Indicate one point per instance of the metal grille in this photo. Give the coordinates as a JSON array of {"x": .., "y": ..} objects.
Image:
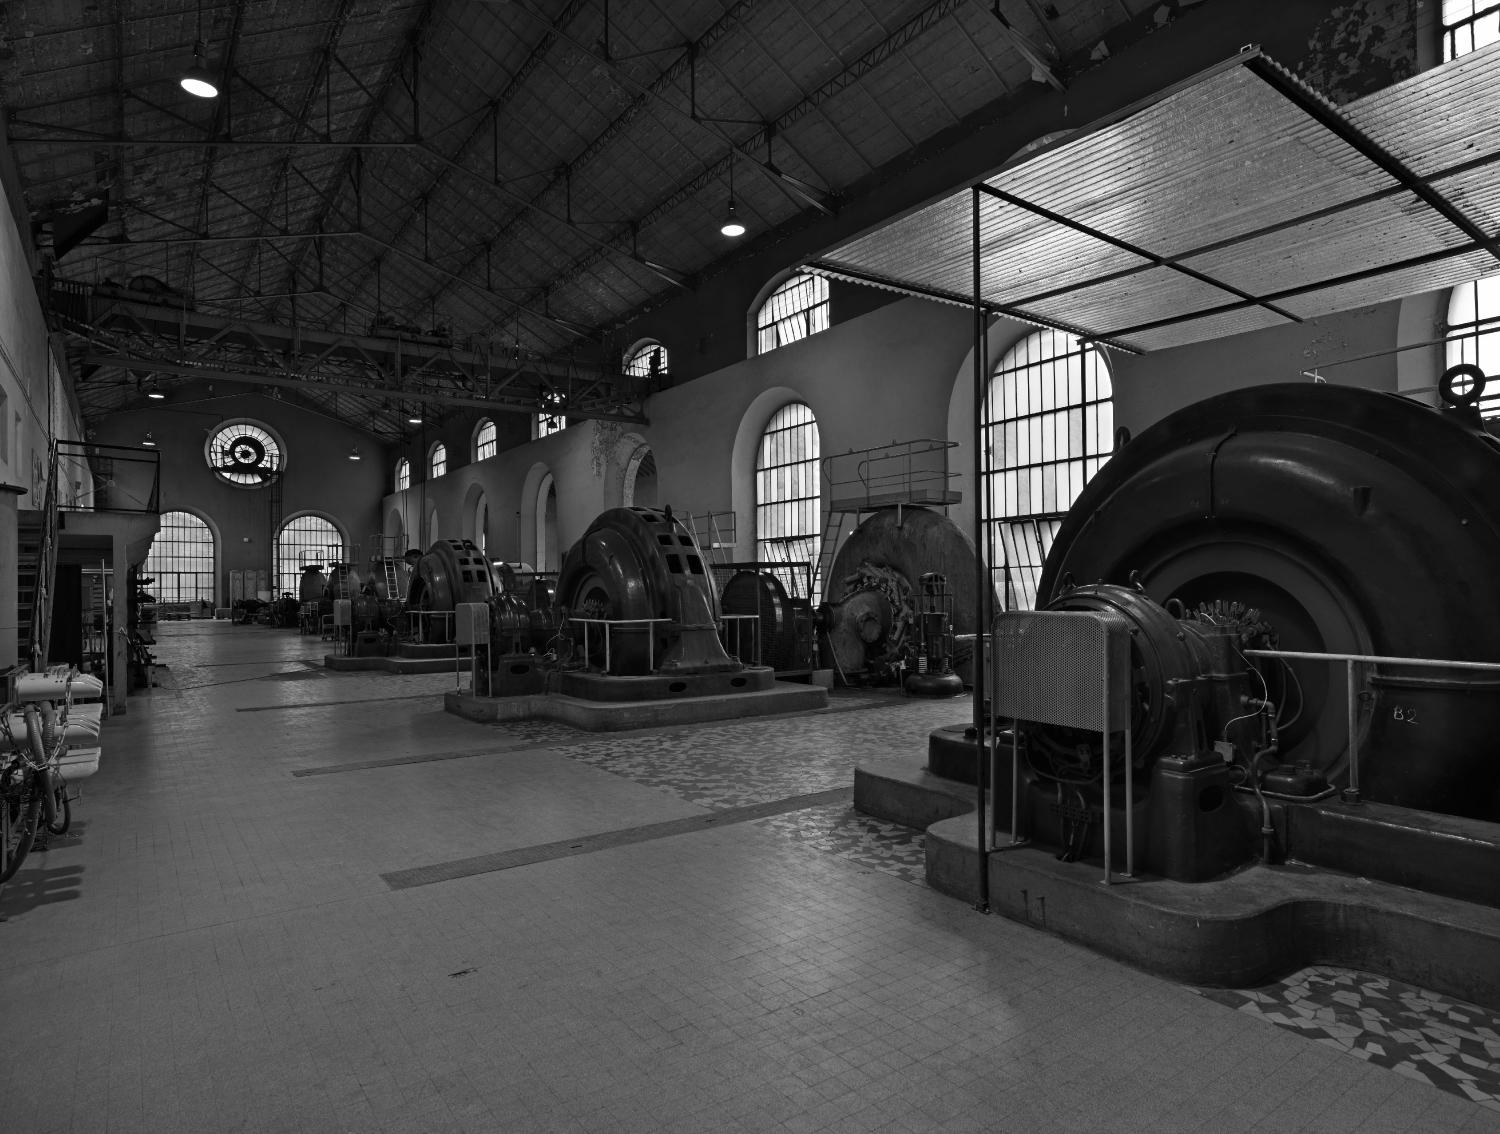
[{"x": 1057, "y": 667}]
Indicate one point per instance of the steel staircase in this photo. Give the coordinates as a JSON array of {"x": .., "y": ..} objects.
[{"x": 36, "y": 574}]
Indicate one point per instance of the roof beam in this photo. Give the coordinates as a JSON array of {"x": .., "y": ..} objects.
[
  {"x": 337, "y": 24},
  {"x": 489, "y": 121},
  {"x": 321, "y": 383},
  {"x": 215, "y": 128},
  {"x": 362, "y": 133},
  {"x": 914, "y": 28}
]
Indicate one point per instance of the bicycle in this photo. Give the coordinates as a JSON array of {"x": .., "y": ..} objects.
[{"x": 33, "y": 790}]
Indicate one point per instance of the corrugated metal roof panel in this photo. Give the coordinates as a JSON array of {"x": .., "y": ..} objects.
[{"x": 1242, "y": 176}]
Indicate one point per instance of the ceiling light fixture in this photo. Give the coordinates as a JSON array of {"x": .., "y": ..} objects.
[
  {"x": 149, "y": 441},
  {"x": 153, "y": 391},
  {"x": 198, "y": 79},
  {"x": 354, "y": 453},
  {"x": 732, "y": 225},
  {"x": 414, "y": 417}
]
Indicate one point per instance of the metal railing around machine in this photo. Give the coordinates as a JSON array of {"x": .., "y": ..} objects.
[
  {"x": 609, "y": 625},
  {"x": 1352, "y": 662},
  {"x": 732, "y": 628},
  {"x": 902, "y": 473}
]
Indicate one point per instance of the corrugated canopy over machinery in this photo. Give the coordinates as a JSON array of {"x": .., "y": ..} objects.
[{"x": 1237, "y": 201}]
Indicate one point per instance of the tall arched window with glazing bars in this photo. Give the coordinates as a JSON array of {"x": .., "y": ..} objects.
[
  {"x": 795, "y": 310},
  {"x": 1048, "y": 428},
  {"x": 1473, "y": 326},
  {"x": 1473, "y": 333},
  {"x": 485, "y": 443},
  {"x": 303, "y": 540},
  {"x": 181, "y": 560},
  {"x": 403, "y": 475},
  {"x": 788, "y": 500}
]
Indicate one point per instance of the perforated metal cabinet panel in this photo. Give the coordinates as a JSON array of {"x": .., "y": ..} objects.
[
  {"x": 471, "y": 624},
  {"x": 1054, "y": 667}
]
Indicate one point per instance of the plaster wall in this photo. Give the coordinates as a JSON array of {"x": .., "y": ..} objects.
[
  {"x": 319, "y": 477},
  {"x": 36, "y": 407}
]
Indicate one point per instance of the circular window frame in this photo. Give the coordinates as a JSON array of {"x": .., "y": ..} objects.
[{"x": 257, "y": 432}]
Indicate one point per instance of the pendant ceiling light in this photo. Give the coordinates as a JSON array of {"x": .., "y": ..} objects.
[
  {"x": 732, "y": 225},
  {"x": 198, "y": 79}
]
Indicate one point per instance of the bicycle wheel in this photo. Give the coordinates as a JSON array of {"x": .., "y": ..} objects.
[
  {"x": 63, "y": 810},
  {"x": 19, "y": 807}
]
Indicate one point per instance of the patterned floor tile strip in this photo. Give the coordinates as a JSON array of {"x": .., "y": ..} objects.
[
  {"x": 840, "y": 830},
  {"x": 1415, "y": 1032},
  {"x": 589, "y": 844}
]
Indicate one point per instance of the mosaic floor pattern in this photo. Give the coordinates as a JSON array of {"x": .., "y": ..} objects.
[
  {"x": 840, "y": 830},
  {"x": 1417, "y": 1033},
  {"x": 744, "y": 762},
  {"x": 741, "y": 763}
]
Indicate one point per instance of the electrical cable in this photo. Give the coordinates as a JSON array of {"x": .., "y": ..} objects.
[{"x": 1301, "y": 696}]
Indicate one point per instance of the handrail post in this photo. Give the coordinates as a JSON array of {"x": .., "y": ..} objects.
[{"x": 1351, "y": 793}]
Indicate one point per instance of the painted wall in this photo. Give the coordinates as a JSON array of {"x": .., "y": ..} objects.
[
  {"x": 36, "y": 405},
  {"x": 900, "y": 372},
  {"x": 319, "y": 477}
]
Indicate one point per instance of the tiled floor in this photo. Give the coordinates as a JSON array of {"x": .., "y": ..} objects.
[
  {"x": 218, "y": 946},
  {"x": 1415, "y": 1032}
]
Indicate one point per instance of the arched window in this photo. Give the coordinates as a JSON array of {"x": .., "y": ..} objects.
[
  {"x": 301, "y": 540},
  {"x": 647, "y": 361},
  {"x": 1048, "y": 427},
  {"x": 437, "y": 460},
  {"x": 639, "y": 486},
  {"x": 1468, "y": 25},
  {"x": 485, "y": 445},
  {"x": 403, "y": 475},
  {"x": 793, "y": 311},
  {"x": 182, "y": 560},
  {"x": 546, "y": 525},
  {"x": 788, "y": 503},
  {"x": 552, "y": 419},
  {"x": 1473, "y": 334},
  {"x": 1473, "y": 330},
  {"x": 481, "y": 523}
]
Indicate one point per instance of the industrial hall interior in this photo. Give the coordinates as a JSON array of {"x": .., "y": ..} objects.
[{"x": 750, "y": 566}]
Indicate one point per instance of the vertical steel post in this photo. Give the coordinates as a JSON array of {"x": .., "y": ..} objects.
[
  {"x": 1104, "y": 723},
  {"x": 982, "y": 626},
  {"x": 1351, "y": 793},
  {"x": 1015, "y": 780},
  {"x": 1129, "y": 805}
]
